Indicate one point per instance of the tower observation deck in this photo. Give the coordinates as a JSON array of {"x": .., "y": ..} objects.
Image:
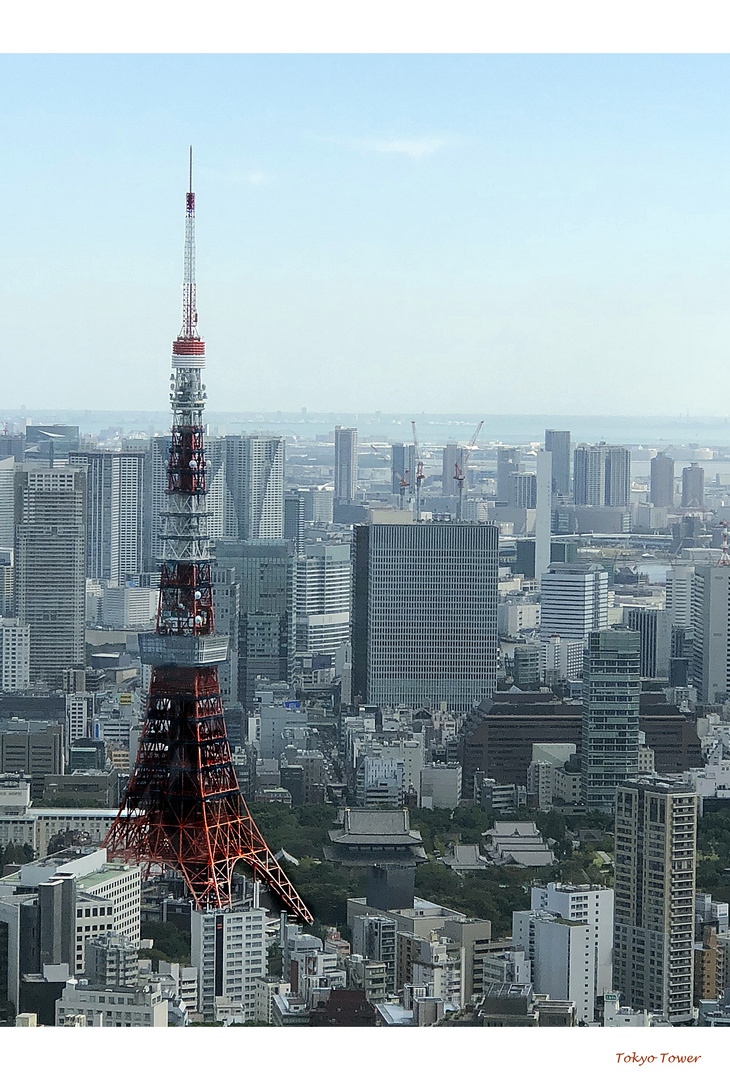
[{"x": 183, "y": 808}]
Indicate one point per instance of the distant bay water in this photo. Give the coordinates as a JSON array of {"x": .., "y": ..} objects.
[{"x": 655, "y": 432}]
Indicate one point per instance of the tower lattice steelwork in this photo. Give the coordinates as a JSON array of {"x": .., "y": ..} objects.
[{"x": 183, "y": 808}]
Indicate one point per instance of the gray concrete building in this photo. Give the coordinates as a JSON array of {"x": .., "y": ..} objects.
[
  {"x": 50, "y": 568},
  {"x": 610, "y": 739},
  {"x": 424, "y": 619}
]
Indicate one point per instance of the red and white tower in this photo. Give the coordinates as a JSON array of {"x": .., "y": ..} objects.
[{"x": 183, "y": 808}]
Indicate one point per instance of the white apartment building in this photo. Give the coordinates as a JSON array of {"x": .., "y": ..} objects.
[
  {"x": 114, "y": 504},
  {"x": 561, "y": 658},
  {"x": 515, "y": 617},
  {"x": 408, "y": 751},
  {"x": 322, "y": 597},
  {"x": 108, "y": 901},
  {"x": 79, "y": 714},
  {"x": 591, "y": 904},
  {"x": 510, "y": 966},
  {"x": 574, "y": 601},
  {"x": 255, "y": 480},
  {"x": 679, "y": 594},
  {"x": 107, "y": 894},
  {"x": 379, "y": 781},
  {"x": 266, "y": 988},
  {"x": 14, "y": 655},
  {"x": 7, "y": 502},
  {"x": 128, "y": 607},
  {"x": 562, "y": 956},
  {"x": 711, "y": 627},
  {"x": 374, "y": 937},
  {"x": 439, "y": 967},
  {"x": 229, "y": 950},
  {"x": 185, "y": 980}
]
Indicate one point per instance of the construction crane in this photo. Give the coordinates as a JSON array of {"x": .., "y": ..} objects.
[
  {"x": 419, "y": 470},
  {"x": 403, "y": 481},
  {"x": 460, "y": 473}
]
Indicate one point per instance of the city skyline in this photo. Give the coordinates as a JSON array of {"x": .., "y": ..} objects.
[
  {"x": 476, "y": 698},
  {"x": 374, "y": 222}
]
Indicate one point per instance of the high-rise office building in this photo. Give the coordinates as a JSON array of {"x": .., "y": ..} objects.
[
  {"x": 558, "y": 443},
  {"x": 508, "y": 461},
  {"x": 543, "y": 517},
  {"x": 610, "y": 741},
  {"x": 266, "y": 574},
  {"x": 453, "y": 459},
  {"x": 711, "y": 629},
  {"x": 679, "y": 594},
  {"x": 255, "y": 480},
  {"x": 114, "y": 513},
  {"x": 589, "y": 475},
  {"x": 222, "y": 515},
  {"x": 322, "y": 602},
  {"x": 7, "y": 502},
  {"x": 244, "y": 490},
  {"x": 403, "y": 458},
  {"x": 345, "y": 463},
  {"x": 574, "y": 600},
  {"x": 655, "y": 853},
  {"x": 661, "y": 491},
  {"x": 7, "y": 580},
  {"x": 425, "y": 613},
  {"x": 654, "y": 628},
  {"x": 50, "y": 569},
  {"x": 601, "y": 475},
  {"x": 524, "y": 491},
  {"x": 294, "y": 518},
  {"x": 693, "y": 487},
  {"x": 14, "y": 655},
  {"x": 227, "y": 608},
  {"x": 318, "y": 506},
  {"x": 618, "y": 476},
  {"x": 155, "y": 500}
]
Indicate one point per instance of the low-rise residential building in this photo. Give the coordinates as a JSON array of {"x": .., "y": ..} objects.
[{"x": 118, "y": 1006}]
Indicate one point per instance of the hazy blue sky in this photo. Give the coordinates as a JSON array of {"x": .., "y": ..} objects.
[{"x": 438, "y": 233}]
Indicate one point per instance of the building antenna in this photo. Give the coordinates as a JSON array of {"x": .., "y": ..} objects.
[{"x": 724, "y": 559}]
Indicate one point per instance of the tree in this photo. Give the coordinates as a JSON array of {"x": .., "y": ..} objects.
[
  {"x": 551, "y": 825},
  {"x": 170, "y": 942},
  {"x": 68, "y": 838},
  {"x": 16, "y": 853}
]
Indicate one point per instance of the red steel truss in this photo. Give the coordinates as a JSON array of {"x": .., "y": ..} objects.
[{"x": 183, "y": 808}]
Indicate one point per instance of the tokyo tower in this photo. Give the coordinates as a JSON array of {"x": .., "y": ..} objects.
[{"x": 183, "y": 808}]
